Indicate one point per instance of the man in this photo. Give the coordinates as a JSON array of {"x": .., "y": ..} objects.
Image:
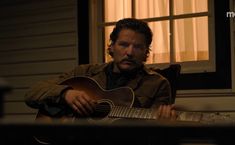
[{"x": 129, "y": 48}]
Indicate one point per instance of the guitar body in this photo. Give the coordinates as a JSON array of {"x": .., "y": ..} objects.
[
  {"x": 107, "y": 99},
  {"x": 115, "y": 104},
  {"x": 123, "y": 96}
]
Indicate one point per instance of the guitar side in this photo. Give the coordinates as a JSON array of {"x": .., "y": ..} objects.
[{"x": 123, "y": 96}]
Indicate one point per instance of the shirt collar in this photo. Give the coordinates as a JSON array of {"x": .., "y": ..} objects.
[
  {"x": 101, "y": 68},
  {"x": 149, "y": 71}
]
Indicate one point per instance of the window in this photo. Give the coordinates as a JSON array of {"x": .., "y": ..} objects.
[
  {"x": 180, "y": 28},
  {"x": 207, "y": 69}
]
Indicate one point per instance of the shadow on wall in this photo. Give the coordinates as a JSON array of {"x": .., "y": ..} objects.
[{"x": 5, "y": 89}]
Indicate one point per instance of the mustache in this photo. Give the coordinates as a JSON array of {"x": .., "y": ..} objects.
[{"x": 129, "y": 60}]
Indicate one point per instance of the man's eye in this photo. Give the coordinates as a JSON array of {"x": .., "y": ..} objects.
[
  {"x": 138, "y": 46},
  {"x": 124, "y": 44}
]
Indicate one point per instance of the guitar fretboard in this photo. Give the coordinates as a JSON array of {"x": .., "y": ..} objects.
[
  {"x": 125, "y": 112},
  {"x": 149, "y": 113},
  {"x": 152, "y": 114}
]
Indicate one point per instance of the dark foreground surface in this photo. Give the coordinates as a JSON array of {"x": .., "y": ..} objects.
[{"x": 137, "y": 132}]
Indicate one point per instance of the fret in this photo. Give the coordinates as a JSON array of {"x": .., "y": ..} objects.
[
  {"x": 118, "y": 111},
  {"x": 115, "y": 111},
  {"x": 135, "y": 113},
  {"x": 125, "y": 112},
  {"x": 110, "y": 113},
  {"x": 141, "y": 110},
  {"x": 139, "y": 113},
  {"x": 146, "y": 113},
  {"x": 149, "y": 113},
  {"x": 153, "y": 114},
  {"x": 128, "y": 112},
  {"x": 143, "y": 113},
  {"x": 121, "y": 111},
  {"x": 131, "y": 113}
]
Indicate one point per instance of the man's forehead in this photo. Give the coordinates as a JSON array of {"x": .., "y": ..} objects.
[
  {"x": 126, "y": 30},
  {"x": 131, "y": 35}
]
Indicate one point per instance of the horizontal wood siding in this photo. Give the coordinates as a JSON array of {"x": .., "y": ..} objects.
[{"x": 38, "y": 40}]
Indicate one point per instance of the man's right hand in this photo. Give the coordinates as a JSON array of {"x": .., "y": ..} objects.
[
  {"x": 167, "y": 112},
  {"x": 80, "y": 102}
]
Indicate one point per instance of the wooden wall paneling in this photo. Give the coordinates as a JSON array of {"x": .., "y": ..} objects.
[
  {"x": 53, "y": 40},
  {"x": 42, "y": 28},
  {"x": 18, "y": 108},
  {"x": 26, "y": 81},
  {"x": 59, "y": 66},
  {"x": 20, "y": 117},
  {"x": 16, "y": 95},
  {"x": 38, "y": 41},
  {"x": 16, "y": 9},
  {"x": 63, "y": 52}
]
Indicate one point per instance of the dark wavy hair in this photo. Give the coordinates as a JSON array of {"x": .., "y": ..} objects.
[{"x": 135, "y": 25}]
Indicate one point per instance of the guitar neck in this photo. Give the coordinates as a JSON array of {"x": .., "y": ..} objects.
[
  {"x": 146, "y": 113},
  {"x": 125, "y": 112}
]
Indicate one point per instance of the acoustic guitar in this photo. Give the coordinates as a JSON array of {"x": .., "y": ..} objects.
[
  {"x": 118, "y": 104},
  {"x": 111, "y": 104}
]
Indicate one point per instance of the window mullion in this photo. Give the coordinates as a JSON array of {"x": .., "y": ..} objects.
[
  {"x": 171, "y": 23},
  {"x": 133, "y": 9}
]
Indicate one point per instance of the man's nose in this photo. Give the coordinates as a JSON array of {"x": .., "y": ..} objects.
[{"x": 130, "y": 50}]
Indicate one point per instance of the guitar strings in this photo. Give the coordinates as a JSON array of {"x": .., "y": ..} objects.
[{"x": 127, "y": 112}]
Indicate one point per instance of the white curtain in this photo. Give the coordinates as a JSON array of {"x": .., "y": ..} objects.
[
  {"x": 160, "y": 49},
  {"x": 190, "y": 36}
]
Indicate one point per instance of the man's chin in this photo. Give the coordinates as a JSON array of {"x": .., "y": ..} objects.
[{"x": 126, "y": 67}]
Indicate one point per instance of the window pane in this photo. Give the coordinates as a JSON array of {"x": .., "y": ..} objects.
[
  {"x": 107, "y": 30},
  {"x": 191, "y": 39},
  {"x": 190, "y": 6},
  {"x": 116, "y": 9},
  {"x": 151, "y": 8},
  {"x": 160, "y": 47}
]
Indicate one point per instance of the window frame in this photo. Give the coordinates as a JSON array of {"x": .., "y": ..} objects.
[
  {"x": 232, "y": 37},
  {"x": 96, "y": 54},
  {"x": 198, "y": 67}
]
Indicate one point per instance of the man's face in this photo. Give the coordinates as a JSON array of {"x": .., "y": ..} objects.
[{"x": 129, "y": 51}]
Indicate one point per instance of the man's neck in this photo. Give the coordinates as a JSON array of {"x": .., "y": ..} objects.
[{"x": 117, "y": 70}]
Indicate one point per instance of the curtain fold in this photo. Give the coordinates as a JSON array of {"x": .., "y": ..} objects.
[{"x": 190, "y": 35}]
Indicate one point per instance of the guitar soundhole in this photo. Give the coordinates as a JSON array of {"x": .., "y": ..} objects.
[{"x": 101, "y": 110}]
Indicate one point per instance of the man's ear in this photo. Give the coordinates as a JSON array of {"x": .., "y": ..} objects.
[
  {"x": 110, "y": 50},
  {"x": 146, "y": 54}
]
